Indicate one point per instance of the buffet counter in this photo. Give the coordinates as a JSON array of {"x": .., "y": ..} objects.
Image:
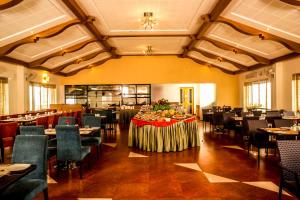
[{"x": 164, "y": 136}]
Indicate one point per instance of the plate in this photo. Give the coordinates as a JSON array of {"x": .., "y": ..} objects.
[{"x": 17, "y": 167}]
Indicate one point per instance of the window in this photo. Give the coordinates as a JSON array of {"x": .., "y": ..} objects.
[
  {"x": 296, "y": 92},
  {"x": 258, "y": 94},
  {"x": 207, "y": 95},
  {"x": 41, "y": 96},
  {"x": 3, "y": 96}
]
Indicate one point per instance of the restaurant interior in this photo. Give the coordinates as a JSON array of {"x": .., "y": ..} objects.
[{"x": 149, "y": 99}]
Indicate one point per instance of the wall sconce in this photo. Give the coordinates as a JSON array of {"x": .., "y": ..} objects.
[{"x": 45, "y": 78}]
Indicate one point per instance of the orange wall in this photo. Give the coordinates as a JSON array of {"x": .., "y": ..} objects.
[{"x": 159, "y": 69}]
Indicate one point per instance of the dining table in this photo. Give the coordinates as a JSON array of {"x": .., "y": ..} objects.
[
  {"x": 82, "y": 131},
  {"x": 11, "y": 173},
  {"x": 281, "y": 131},
  {"x": 164, "y": 136}
]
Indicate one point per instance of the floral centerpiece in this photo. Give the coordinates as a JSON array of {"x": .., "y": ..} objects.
[
  {"x": 162, "y": 104},
  {"x": 162, "y": 110}
]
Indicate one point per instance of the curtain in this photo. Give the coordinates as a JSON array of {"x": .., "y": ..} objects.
[
  {"x": 3, "y": 96},
  {"x": 296, "y": 92},
  {"x": 41, "y": 96},
  {"x": 258, "y": 94}
]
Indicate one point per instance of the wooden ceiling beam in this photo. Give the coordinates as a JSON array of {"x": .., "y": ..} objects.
[
  {"x": 273, "y": 61},
  {"x": 247, "y": 30},
  {"x": 292, "y": 2},
  {"x": 206, "y": 23},
  {"x": 220, "y": 59},
  {"x": 95, "y": 64},
  {"x": 9, "y": 4},
  {"x": 236, "y": 50},
  {"x": 157, "y": 35},
  {"x": 80, "y": 14},
  {"x": 13, "y": 61},
  {"x": 51, "y": 32},
  {"x": 77, "y": 61},
  {"x": 62, "y": 52},
  {"x": 210, "y": 65}
]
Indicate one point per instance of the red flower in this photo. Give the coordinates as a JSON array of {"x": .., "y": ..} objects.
[{"x": 68, "y": 122}]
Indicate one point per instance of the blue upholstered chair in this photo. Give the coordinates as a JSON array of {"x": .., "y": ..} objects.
[
  {"x": 30, "y": 149},
  {"x": 66, "y": 120},
  {"x": 39, "y": 130},
  {"x": 95, "y": 139},
  {"x": 69, "y": 147},
  {"x": 32, "y": 130}
]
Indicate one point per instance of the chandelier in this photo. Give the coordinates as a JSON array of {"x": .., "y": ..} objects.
[
  {"x": 148, "y": 51},
  {"x": 148, "y": 21}
]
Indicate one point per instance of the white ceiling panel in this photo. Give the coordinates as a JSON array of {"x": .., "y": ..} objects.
[
  {"x": 265, "y": 48},
  {"x": 122, "y": 16},
  {"x": 86, "y": 63},
  {"x": 69, "y": 57},
  {"x": 271, "y": 16},
  {"x": 238, "y": 58},
  {"x": 223, "y": 65},
  {"x": 29, "y": 17},
  {"x": 160, "y": 45},
  {"x": 44, "y": 47}
]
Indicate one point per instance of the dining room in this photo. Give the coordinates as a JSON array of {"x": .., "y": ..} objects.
[{"x": 149, "y": 99}]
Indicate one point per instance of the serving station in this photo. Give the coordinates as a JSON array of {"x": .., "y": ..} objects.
[{"x": 163, "y": 128}]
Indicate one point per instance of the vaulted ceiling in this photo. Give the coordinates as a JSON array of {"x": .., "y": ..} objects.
[{"x": 67, "y": 36}]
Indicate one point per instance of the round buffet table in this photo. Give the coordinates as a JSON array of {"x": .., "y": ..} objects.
[{"x": 162, "y": 136}]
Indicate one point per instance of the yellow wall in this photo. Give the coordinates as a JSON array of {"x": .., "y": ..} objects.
[{"x": 159, "y": 69}]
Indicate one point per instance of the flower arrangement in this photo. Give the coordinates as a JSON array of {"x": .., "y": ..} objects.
[
  {"x": 162, "y": 104},
  {"x": 68, "y": 122}
]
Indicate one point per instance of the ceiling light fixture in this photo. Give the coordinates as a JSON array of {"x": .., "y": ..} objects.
[
  {"x": 148, "y": 21},
  {"x": 148, "y": 51}
]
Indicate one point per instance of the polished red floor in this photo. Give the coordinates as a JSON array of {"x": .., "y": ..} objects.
[{"x": 117, "y": 176}]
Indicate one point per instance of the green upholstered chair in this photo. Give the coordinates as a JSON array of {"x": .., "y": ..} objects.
[
  {"x": 39, "y": 130},
  {"x": 30, "y": 149},
  {"x": 95, "y": 139},
  {"x": 69, "y": 147},
  {"x": 66, "y": 120}
]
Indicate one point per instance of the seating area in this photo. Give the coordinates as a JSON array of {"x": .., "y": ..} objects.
[{"x": 149, "y": 99}]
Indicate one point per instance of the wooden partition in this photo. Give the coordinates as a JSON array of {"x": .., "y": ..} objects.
[{"x": 67, "y": 107}]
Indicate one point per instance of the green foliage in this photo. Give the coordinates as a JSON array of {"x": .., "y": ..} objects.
[{"x": 157, "y": 107}]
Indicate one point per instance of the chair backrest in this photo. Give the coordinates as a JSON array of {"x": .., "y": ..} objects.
[
  {"x": 42, "y": 121},
  {"x": 218, "y": 118},
  {"x": 244, "y": 114},
  {"x": 257, "y": 113},
  {"x": 32, "y": 149},
  {"x": 273, "y": 113},
  {"x": 238, "y": 111},
  {"x": 110, "y": 116},
  {"x": 283, "y": 123},
  {"x": 227, "y": 116},
  {"x": 253, "y": 125},
  {"x": 92, "y": 121},
  {"x": 289, "y": 113},
  {"x": 68, "y": 143},
  {"x": 64, "y": 120},
  {"x": 32, "y": 130},
  {"x": 271, "y": 120},
  {"x": 289, "y": 151},
  {"x": 8, "y": 131}
]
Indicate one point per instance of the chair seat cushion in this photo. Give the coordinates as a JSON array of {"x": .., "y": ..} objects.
[
  {"x": 89, "y": 141},
  {"x": 85, "y": 151},
  {"x": 25, "y": 189}
]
